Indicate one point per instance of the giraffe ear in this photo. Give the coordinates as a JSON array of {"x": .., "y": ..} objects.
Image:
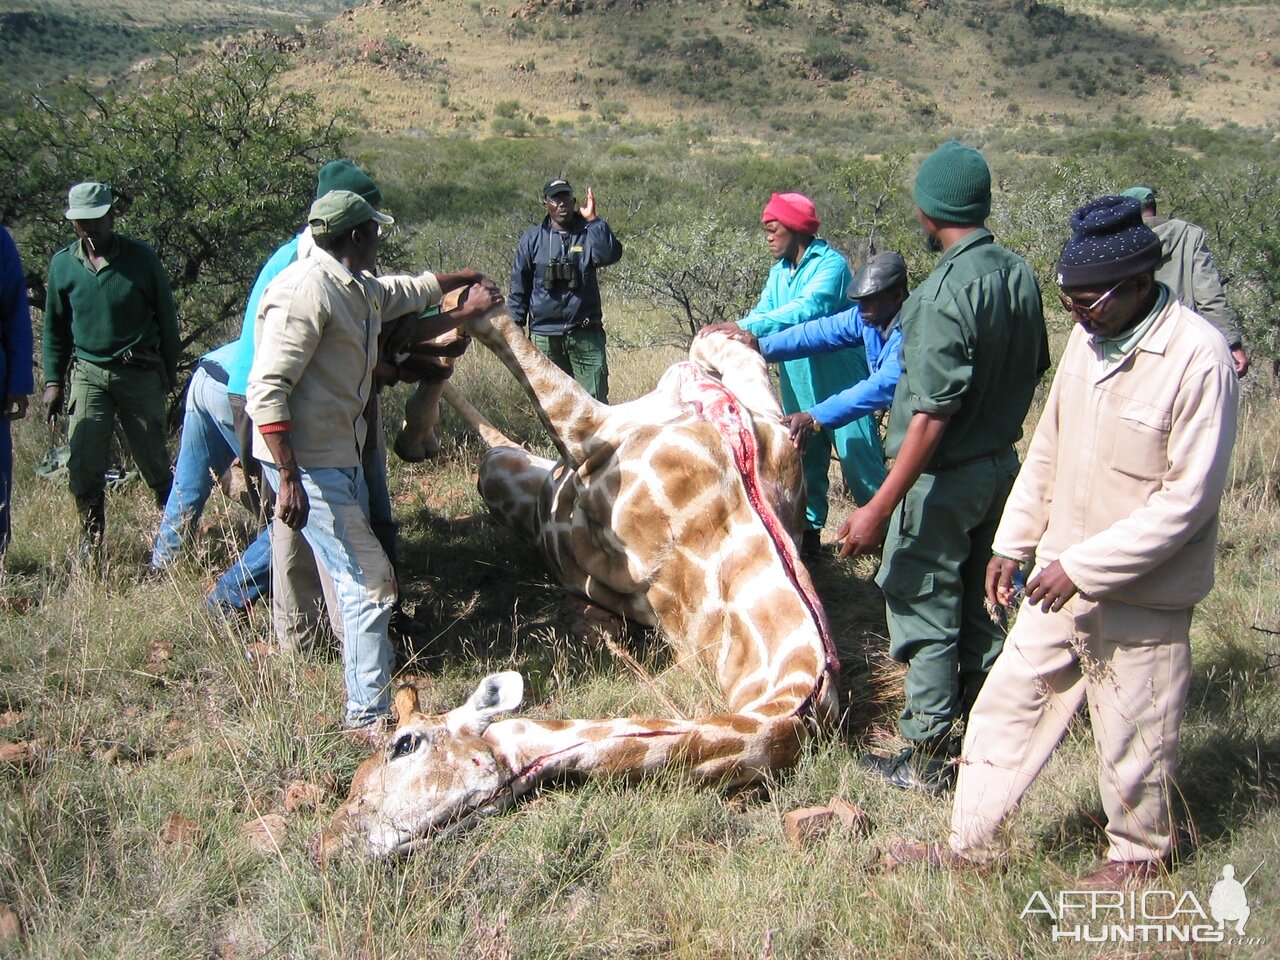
[
  {"x": 497, "y": 693},
  {"x": 406, "y": 701}
]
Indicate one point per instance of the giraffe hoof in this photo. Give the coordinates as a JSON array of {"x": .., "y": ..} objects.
[{"x": 411, "y": 452}]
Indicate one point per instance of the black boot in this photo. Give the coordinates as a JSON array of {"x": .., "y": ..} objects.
[
  {"x": 93, "y": 518},
  {"x": 930, "y": 771},
  {"x": 811, "y": 545}
]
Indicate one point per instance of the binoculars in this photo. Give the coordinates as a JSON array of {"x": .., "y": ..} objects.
[{"x": 563, "y": 270}]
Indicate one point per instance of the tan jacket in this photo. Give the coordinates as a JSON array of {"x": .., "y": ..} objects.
[
  {"x": 1187, "y": 268},
  {"x": 317, "y": 341},
  {"x": 1125, "y": 472}
]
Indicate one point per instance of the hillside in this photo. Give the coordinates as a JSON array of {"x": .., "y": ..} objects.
[{"x": 823, "y": 70}]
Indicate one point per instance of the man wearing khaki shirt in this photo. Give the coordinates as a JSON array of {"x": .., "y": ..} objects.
[
  {"x": 1116, "y": 507},
  {"x": 317, "y": 334}
]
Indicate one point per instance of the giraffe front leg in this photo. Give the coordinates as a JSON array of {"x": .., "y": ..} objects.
[{"x": 417, "y": 440}]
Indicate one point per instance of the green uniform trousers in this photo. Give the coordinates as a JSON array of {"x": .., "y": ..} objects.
[
  {"x": 99, "y": 395},
  {"x": 580, "y": 353},
  {"x": 933, "y": 577}
]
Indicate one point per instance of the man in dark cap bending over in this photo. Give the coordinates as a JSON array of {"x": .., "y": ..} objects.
[
  {"x": 878, "y": 290},
  {"x": 1116, "y": 511}
]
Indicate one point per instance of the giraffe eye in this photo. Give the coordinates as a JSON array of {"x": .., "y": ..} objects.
[{"x": 404, "y": 745}]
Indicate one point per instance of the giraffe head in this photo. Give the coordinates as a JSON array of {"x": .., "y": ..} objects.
[{"x": 434, "y": 773}]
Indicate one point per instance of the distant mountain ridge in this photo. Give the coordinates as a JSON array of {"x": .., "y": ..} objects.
[{"x": 755, "y": 69}]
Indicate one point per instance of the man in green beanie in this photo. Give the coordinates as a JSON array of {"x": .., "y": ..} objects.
[
  {"x": 1187, "y": 268},
  {"x": 110, "y": 352},
  {"x": 973, "y": 349}
]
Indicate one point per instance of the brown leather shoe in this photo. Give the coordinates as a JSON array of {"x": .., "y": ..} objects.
[
  {"x": 935, "y": 856},
  {"x": 1118, "y": 874},
  {"x": 371, "y": 736}
]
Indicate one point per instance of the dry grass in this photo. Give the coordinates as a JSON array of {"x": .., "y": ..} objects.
[{"x": 129, "y": 733}]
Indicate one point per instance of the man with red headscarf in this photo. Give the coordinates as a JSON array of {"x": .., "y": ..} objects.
[{"x": 810, "y": 280}]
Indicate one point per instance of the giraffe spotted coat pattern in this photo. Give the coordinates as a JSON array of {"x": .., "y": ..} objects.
[{"x": 679, "y": 510}]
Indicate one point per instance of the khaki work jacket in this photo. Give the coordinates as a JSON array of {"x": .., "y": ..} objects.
[{"x": 1125, "y": 473}]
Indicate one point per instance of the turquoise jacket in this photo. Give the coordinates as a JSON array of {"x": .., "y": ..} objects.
[
  {"x": 817, "y": 287},
  {"x": 238, "y": 367}
]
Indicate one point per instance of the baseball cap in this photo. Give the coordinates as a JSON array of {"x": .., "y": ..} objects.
[
  {"x": 340, "y": 210},
  {"x": 556, "y": 186},
  {"x": 88, "y": 201}
]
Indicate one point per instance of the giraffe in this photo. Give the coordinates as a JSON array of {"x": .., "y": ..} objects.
[{"x": 678, "y": 509}]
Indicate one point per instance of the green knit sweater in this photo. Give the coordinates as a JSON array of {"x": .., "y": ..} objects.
[{"x": 101, "y": 316}]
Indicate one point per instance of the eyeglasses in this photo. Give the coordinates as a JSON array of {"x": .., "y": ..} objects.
[{"x": 1090, "y": 312}]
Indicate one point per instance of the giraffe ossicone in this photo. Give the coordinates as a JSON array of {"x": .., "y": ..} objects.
[{"x": 680, "y": 510}]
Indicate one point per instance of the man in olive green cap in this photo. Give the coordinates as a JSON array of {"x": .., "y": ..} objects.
[
  {"x": 1187, "y": 269},
  {"x": 316, "y": 332},
  {"x": 973, "y": 349},
  {"x": 110, "y": 351}
]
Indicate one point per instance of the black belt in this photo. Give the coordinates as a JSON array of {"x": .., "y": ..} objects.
[
  {"x": 983, "y": 458},
  {"x": 213, "y": 369}
]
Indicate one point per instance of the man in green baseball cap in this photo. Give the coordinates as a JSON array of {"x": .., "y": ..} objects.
[
  {"x": 973, "y": 349},
  {"x": 111, "y": 343},
  {"x": 1187, "y": 269},
  {"x": 342, "y": 210},
  {"x": 316, "y": 335}
]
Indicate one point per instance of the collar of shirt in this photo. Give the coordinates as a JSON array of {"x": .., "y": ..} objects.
[
  {"x": 335, "y": 267},
  {"x": 1115, "y": 349},
  {"x": 968, "y": 242},
  {"x": 815, "y": 247},
  {"x": 83, "y": 255}
]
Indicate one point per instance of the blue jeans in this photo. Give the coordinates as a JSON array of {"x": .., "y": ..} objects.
[
  {"x": 248, "y": 579},
  {"x": 338, "y": 531},
  {"x": 207, "y": 447},
  {"x": 6, "y": 482}
]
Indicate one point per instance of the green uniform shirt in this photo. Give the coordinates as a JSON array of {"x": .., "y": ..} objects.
[
  {"x": 100, "y": 316},
  {"x": 973, "y": 348}
]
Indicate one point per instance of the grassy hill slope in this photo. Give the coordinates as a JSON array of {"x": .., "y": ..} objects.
[
  {"x": 828, "y": 71},
  {"x": 822, "y": 69}
]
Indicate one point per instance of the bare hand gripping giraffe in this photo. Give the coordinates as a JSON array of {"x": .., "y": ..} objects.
[{"x": 655, "y": 513}]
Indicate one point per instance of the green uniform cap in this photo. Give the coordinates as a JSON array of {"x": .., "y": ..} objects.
[
  {"x": 341, "y": 210},
  {"x": 345, "y": 175},
  {"x": 954, "y": 185},
  {"x": 89, "y": 201},
  {"x": 1144, "y": 195}
]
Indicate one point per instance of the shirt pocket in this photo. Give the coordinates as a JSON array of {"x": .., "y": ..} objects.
[{"x": 1140, "y": 441}]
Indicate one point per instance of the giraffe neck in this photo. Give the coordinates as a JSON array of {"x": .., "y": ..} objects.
[
  {"x": 571, "y": 415},
  {"x": 726, "y": 749},
  {"x": 714, "y": 403}
]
